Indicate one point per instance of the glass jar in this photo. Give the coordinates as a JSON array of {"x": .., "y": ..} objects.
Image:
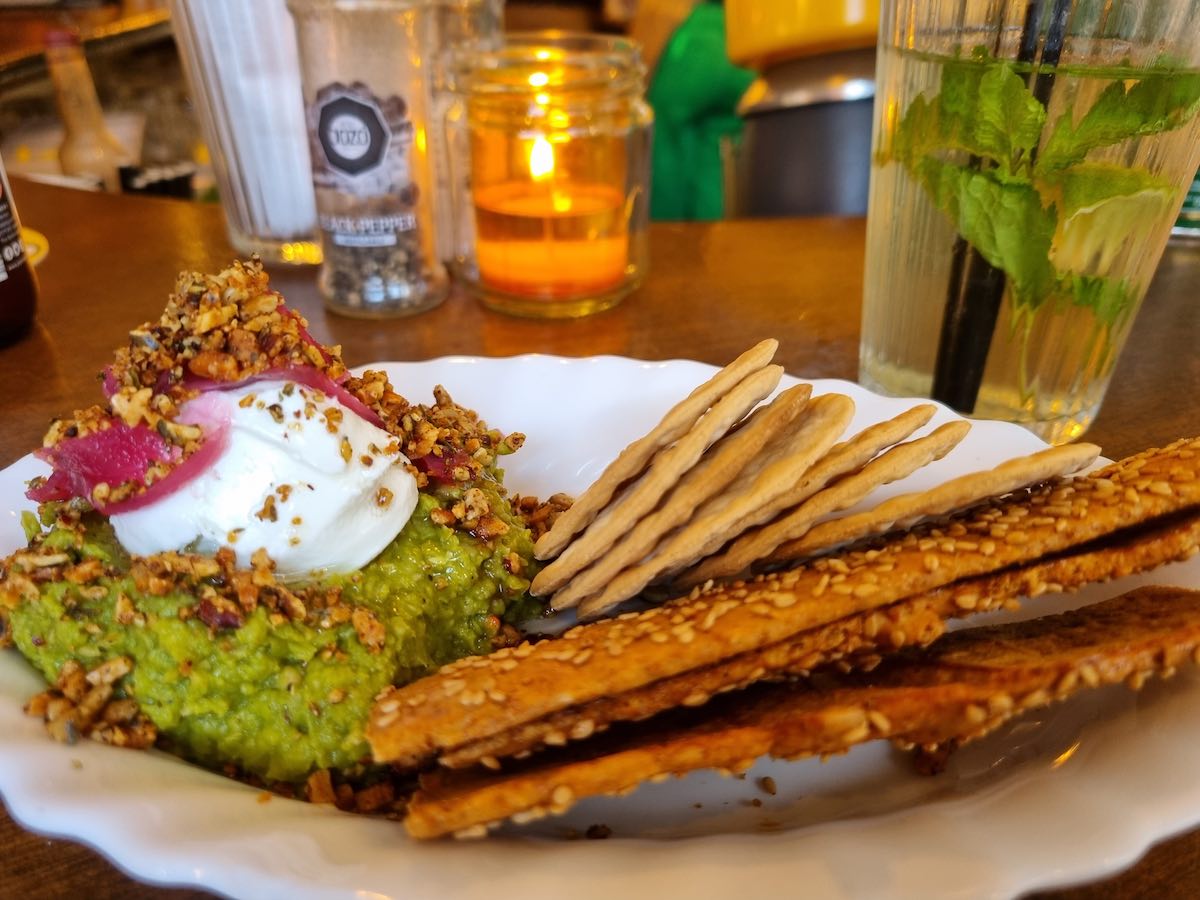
[
  {"x": 241, "y": 66},
  {"x": 549, "y": 139},
  {"x": 365, "y": 69}
]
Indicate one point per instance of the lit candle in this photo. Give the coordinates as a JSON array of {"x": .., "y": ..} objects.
[
  {"x": 550, "y": 237},
  {"x": 549, "y": 163}
]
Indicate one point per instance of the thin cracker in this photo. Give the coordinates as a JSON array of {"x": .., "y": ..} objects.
[
  {"x": 898, "y": 462},
  {"x": 633, "y": 459},
  {"x": 720, "y": 465},
  {"x": 951, "y": 496},
  {"x": 851, "y": 455},
  {"x": 480, "y": 696},
  {"x": 664, "y": 472},
  {"x": 723, "y": 517},
  {"x": 960, "y": 689}
]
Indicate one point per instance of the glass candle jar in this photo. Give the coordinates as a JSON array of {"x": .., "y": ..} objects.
[
  {"x": 365, "y": 68},
  {"x": 549, "y": 140}
]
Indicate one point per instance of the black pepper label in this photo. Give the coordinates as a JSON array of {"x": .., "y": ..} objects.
[
  {"x": 367, "y": 200},
  {"x": 361, "y": 144},
  {"x": 352, "y": 134}
]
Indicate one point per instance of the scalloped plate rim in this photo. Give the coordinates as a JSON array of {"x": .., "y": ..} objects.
[{"x": 657, "y": 862}]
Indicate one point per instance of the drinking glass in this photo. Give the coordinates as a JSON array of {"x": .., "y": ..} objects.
[
  {"x": 240, "y": 61},
  {"x": 1029, "y": 160}
]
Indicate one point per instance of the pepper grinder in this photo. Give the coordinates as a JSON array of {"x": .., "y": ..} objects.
[{"x": 365, "y": 72}]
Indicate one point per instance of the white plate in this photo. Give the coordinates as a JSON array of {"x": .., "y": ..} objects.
[{"x": 1075, "y": 793}]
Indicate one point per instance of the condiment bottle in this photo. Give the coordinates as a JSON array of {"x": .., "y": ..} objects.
[
  {"x": 18, "y": 284},
  {"x": 365, "y": 69},
  {"x": 88, "y": 149}
]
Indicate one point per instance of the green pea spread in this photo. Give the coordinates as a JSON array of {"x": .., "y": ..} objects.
[{"x": 277, "y": 697}]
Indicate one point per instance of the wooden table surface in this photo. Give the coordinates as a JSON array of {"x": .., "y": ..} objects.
[{"x": 714, "y": 289}]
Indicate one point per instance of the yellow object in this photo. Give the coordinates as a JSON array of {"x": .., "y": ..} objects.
[
  {"x": 551, "y": 242},
  {"x": 37, "y": 247},
  {"x": 759, "y": 32}
]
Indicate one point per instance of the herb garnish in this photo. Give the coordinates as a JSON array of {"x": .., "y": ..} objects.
[{"x": 1047, "y": 217}]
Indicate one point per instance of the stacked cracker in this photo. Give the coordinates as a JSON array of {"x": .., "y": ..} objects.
[
  {"x": 971, "y": 545},
  {"x": 851, "y": 607},
  {"x": 715, "y": 489},
  {"x": 839, "y": 612}
]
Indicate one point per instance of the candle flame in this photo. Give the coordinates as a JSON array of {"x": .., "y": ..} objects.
[
  {"x": 539, "y": 79},
  {"x": 541, "y": 159}
]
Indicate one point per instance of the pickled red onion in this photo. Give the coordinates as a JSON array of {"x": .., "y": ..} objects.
[
  {"x": 211, "y": 416},
  {"x": 307, "y": 376},
  {"x": 112, "y": 456},
  {"x": 123, "y": 453}
]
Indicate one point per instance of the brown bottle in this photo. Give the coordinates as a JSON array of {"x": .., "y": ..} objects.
[{"x": 18, "y": 284}]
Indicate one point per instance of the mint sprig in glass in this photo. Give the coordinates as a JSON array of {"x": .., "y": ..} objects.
[{"x": 1046, "y": 191}]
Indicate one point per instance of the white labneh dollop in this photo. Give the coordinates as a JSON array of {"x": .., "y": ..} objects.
[{"x": 302, "y": 477}]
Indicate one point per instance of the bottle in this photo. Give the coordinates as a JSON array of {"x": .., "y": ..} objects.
[
  {"x": 88, "y": 147},
  {"x": 18, "y": 284},
  {"x": 363, "y": 67}
]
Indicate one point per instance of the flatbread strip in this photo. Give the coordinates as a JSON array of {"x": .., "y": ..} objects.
[
  {"x": 633, "y": 459},
  {"x": 964, "y": 686},
  {"x": 952, "y": 496},
  {"x": 477, "y": 697},
  {"x": 857, "y": 641}
]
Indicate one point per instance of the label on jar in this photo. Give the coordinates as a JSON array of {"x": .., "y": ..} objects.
[
  {"x": 361, "y": 143},
  {"x": 366, "y": 231},
  {"x": 12, "y": 250},
  {"x": 367, "y": 201}
]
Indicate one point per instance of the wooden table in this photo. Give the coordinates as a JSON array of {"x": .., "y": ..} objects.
[{"x": 714, "y": 290}]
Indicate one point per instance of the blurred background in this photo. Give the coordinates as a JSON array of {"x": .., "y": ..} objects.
[{"x": 737, "y": 88}]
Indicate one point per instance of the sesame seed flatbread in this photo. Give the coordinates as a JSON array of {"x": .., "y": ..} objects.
[
  {"x": 633, "y": 459},
  {"x": 481, "y": 696},
  {"x": 664, "y": 472},
  {"x": 956, "y": 494},
  {"x": 780, "y": 464},
  {"x": 716, "y": 469},
  {"x": 898, "y": 462},
  {"x": 961, "y": 688},
  {"x": 858, "y": 640}
]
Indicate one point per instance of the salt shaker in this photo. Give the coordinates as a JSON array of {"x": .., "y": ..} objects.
[{"x": 365, "y": 69}]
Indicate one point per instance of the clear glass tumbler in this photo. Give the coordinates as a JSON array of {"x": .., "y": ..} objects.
[
  {"x": 240, "y": 62},
  {"x": 1029, "y": 160},
  {"x": 458, "y": 23},
  {"x": 549, "y": 140}
]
